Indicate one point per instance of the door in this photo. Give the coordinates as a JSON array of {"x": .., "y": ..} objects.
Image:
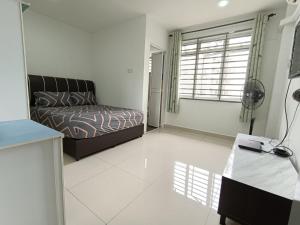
[{"x": 155, "y": 89}]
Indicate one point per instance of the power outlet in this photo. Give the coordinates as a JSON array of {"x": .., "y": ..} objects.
[{"x": 296, "y": 95}]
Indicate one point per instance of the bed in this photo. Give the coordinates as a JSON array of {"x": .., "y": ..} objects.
[{"x": 88, "y": 129}]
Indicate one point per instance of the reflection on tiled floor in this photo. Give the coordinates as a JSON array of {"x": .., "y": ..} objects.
[
  {"x": 167, "y": 177},
  {"x": 194, "y": 183}
]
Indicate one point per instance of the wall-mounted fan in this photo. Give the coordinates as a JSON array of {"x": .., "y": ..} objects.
[{"x": 253, "y": 98}]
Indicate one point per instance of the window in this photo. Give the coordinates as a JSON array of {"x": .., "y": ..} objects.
[{"x": 215, "y": 67}]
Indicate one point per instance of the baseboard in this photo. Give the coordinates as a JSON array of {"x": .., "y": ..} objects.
[{"x": 199, "y": 132}]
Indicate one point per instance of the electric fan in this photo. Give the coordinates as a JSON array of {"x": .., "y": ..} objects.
[{"x": 253, "y": 98}]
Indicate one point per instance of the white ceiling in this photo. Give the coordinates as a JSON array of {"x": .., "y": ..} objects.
[{"x": 92, "y": 15}]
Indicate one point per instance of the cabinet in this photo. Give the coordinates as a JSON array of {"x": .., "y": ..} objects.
[
  {"x": 31, "y": 187},
  {"x": 257, "y": 188}
]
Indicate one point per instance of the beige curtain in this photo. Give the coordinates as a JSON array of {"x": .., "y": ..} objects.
[
  {"x": 173, "y": 70},
  {"x": 256, "y": 54}
]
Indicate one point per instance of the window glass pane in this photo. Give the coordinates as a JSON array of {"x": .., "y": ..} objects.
[
  {"x": 232, "y": 87},
  {"x": 230, "y": 98},
  {"x": 210, "y": 58},
  {"x": 187, "y": 72},
  {"x": 209, "y": 71},
  {"x": 188, "y": 57},
  {"x": 188, "y": 62},
  {"x": 209, "y": 76},
  {"x": 234, "y": 81},
  {"x": 235, "y": 70},
  {"x": 207, "y": 97},
  {"x": 206, "y": 92},
  {"x": 188, "y": 67},
  {"x": 189, "y": 47},
  {"x": 208, "y": 81},
  {"x": 239, "y": 42},
  {"x": 187, "y": 82},
  {"x": 213, "y": 45},
  {"x": 209, "y": 65}
]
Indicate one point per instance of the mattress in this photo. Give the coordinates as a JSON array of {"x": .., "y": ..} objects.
[{"x": 86, "y": 121}]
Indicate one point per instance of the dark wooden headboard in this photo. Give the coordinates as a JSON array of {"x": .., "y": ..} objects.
[{"x": 57, "y": 84}]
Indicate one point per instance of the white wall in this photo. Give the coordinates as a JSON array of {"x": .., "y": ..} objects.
[
  {"x": 13, "y": 88},
  {"x": 280, "y": 80},
  {"x": 158, "y": 37},
  {"x": 56, "y": 49},
  {"x": 293, "y": 140},
  {"x": 119, "y": 58},
  {"x": 276, "y": 123},
  {"x": 223, "y": 118},
  {"x": 158, "y": 34}
]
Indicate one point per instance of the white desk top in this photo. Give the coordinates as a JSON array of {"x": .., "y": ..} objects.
[
  {"x": 262, "y": 170},
  {"x": 297, "y": 191},
  {"x": 14, "y": 133}
]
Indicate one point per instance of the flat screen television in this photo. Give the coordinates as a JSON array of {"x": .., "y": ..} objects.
[{"x": 295, "y": 61}]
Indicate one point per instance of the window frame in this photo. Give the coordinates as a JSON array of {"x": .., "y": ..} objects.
[{"x": 224, "y": 50}]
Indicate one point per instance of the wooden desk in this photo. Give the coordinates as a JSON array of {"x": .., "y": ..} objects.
[{"x": 257, "y": 188}]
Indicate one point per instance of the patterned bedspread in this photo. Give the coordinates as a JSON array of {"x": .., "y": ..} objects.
[{"x": 88, "y": 120}]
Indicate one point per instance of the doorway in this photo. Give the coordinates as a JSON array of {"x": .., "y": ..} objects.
[{"x": 156, "y": 69}]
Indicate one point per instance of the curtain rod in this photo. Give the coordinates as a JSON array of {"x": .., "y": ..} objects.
[{"x": 224, "y": 25}]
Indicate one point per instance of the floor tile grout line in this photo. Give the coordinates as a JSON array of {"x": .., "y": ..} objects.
[
  {"x": 100, "y": 159},
  {"x": 147, "y": 186},
  {"x": 136, "y": 198},
  {"x": 114, "y": 164},
  {"x": 110, "y": 165},
  {"x": 130, "y": 203},
  {"x": 105, "y": 170},
  {"x": 129, "y": 173},
  {"x": 118, "y": 167},
  {"x": 86, "y": 206},
  {"x": 91, "y": 177},
  {"x": 87, "y": 158},
  {"x": 143, "y": 180}
]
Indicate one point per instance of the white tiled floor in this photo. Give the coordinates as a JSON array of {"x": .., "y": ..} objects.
[{"x": 167, "y": 177}]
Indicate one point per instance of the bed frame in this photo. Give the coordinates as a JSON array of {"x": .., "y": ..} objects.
[{"x": 79, "y": 148}]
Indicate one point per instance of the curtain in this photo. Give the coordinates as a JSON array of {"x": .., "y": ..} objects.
[
  {"x": 173, "y": 63},
  {"x": 256, "y": 54}
]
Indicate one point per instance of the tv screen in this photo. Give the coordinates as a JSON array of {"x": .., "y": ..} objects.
[{"x": 295, "y": 62}]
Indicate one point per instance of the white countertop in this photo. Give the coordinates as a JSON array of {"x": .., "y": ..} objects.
[
  {"x": 18, "y": 132},
  {"x": 264, "y": 171}
]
